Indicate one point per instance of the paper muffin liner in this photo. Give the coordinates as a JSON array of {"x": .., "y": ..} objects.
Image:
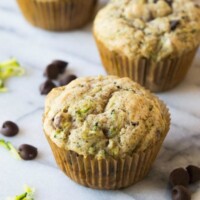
[
  {"x": 155, "y": 76},
  {"x": 58, "y": 15},
  {"x": 108, "y": 173}
]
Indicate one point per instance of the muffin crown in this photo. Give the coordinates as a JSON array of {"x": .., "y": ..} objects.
[
  {"x": 149, "y": 28},
  {"x": 104, "y": 116}
]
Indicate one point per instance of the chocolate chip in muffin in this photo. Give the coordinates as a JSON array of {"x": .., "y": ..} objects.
[
  {"x": 67, "y": 79},
  {"x": 179, "y": 192},
  {"x": 61, "y": 119},
  {"x": 105, "y": 132},
  {"x": 194, "y": 173},
  {"x": 151, "y": 17},
  {"x": 56, "y": 68},
  {"x": 9, "y": 129},
  {"x": 174, "y": 24},
  {"x": 118, "y": 87},
  {"x": 27, "y": 152},
  {"x": 135, "y": 123},
  {"x": 46, "y": 87},
  {"x": 150, "y": 107},
  {"x": 179, "y": 176},
  {"x": 169, "y": 2}
]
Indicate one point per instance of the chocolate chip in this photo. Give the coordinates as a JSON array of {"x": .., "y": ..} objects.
[
  {"x": 155, "y": 1},
  {"x": 55, "y": 68},
  {"x": 194, "y": 173},
  {"x": 105, "y": 132},
  {"x": 46, "y": 87},
  {"x": 27, "y": 152},
  {"x": 169, "y": 2},
  {"x": 9, "y": 129},
  {"x": 62, "y": 65},
  {"x": 179, "y": 192},
  {"x": 174, "y": 24},
  {"x": 134, "y": 123},
  {"x": 179, "y": 176},
  {"x": 67, "y": 79},
  {"x": 197, "y": 5},
  {"x": 150, "y": 107}
]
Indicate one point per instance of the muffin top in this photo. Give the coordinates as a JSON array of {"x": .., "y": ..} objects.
[
  {"x": 153, "y": 29},
  {"x": 104, "y": 116}
]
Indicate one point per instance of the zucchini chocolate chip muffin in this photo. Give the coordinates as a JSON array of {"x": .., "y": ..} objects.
[
  {"x": 58, "y": 15},
  {"x": 151, "y": 41},
  {"x": 105, "y": 132}
]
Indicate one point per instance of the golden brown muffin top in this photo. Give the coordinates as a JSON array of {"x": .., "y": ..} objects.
[
  {"x": 104, "y": 116},
  {"x": 154, "y": 29}
]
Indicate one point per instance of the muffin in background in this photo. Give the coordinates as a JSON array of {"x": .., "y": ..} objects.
[
  {"x": 58, "y": 15},
  {"x": 151, "y": 41},
  {"x": 105, "y": 132}
]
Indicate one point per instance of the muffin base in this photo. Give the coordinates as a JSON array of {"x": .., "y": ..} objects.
[
  {"x": 155, "y": 76},
  {"x": 105, "y": 174},
  {"x": 58, "y": 15},
  {"x": 108, "y": 174}
]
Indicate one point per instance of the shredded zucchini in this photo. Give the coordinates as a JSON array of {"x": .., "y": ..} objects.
[
  {"x": 8, "y": 146},
  {"x": 27, "y": 195},
  {"x": 9, "y": 69}
]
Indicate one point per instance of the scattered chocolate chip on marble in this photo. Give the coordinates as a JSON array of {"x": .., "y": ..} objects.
[
  {"x": 179, "y": 176},
  {"x": 9, "y": 129},
  {"x": 46, "y": 87},
  {"x": 67, "y": 79},
  {"x": 54, "y": 69},
  {"x": 194, "y": 173},
  {"x": 27, "y": 152},
  {"x": 174, "y": 24},
  {"x": 179, "y": 192}
]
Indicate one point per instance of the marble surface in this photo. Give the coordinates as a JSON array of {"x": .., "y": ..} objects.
[{"x": 35, "y": 48}]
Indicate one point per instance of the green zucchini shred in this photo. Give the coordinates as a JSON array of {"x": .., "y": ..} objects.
[
  {"x": 8, "y": 146},
  {"x": 27, "y": 195},
  {"x": 9, "y": 69}
]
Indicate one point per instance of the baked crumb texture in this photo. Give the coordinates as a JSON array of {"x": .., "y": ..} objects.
[
  {"x": 155, "y": 29},
  {"x": 104, "y": 116}
]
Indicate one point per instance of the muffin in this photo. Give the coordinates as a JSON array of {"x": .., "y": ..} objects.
[
  {"x": 105, "y": 132},
  {"x": 58, "y": 15},
  {"x": 151, "y": 41}
]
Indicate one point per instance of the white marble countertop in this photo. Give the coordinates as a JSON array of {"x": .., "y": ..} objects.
[{"x": 35, "y": 48}]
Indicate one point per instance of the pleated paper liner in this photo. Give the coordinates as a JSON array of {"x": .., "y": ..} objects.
[
  {"x": 155, "y": 76},
  {"x": 58, "y": 15},
  {"x": 108, "y": 173}
]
